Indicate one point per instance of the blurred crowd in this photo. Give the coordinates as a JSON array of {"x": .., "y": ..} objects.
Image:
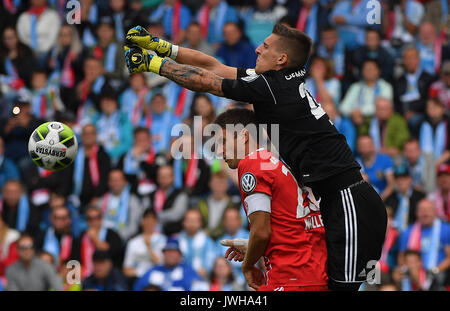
[{"x": 129, "y": 215}]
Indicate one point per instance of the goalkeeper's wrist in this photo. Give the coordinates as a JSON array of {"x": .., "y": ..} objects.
[
  {"x": 156, "y": 63},
  {"x": 174, "y": 52}
]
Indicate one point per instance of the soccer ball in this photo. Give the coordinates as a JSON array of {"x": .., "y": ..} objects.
[{"x": 53, "y": 146}]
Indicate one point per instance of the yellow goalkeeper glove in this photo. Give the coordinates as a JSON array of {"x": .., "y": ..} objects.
[
  {"x": 141, "y": 37},
  {"x": 139, "y": 60}
]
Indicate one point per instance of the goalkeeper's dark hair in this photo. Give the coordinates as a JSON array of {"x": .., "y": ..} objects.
[{"x": 295, "y": 43}]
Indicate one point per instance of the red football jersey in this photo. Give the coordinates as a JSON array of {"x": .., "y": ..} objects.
[{"x": 296, "y": 254}]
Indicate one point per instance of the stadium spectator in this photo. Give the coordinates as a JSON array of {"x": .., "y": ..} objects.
[
  {"x": 260, "y": 19},
  {"x": 30, "y": 273},
  {"x": 99, "y": 237},
  {"x": 191, "y": 172},
  {"x": 403, "y": 199},
  {"x": 222, "y": 277},
  {"x": 38, "y": 28},
  {"x": 47, "y": 257},
  {"x": 144, "y": 251},
  {"x": 8, "y": 170},
  {"x": 441, "y": 196},
  {"x": 350, "y": 19},
  {"x": 63, "y": 62},
  {"x": 114, "y": 129},
  {"x": 105, "y": 277},
  {"x": 123, "y": 18},
  {"x": 378, "y": 167},
  {"x": 372, "y": 49},
  {"x": 360, "y": 99},
  {"x": 236, "y": 51},
  {"x": 413, "y": 276},
  {"x": 89, "y": 173},
  {"x": 387, "y": 128},
  {"x": 421, "y": 166},
  {"x": 232, "y": 223},
  {"x": 172, "y": 274},
  {"x": 8, "y": 247},
  {"x": 212, "y": 16},
  {"x": 133, "y": 99},
  {"x": 389, "y": 253},
  {"x": 202, "y": 106},
  {"x": 16, "y": 60},
  {"x": 402, "y": 22},
  {"x": 175, "y": 17},
  {"x": 16, "y": 132},
  {"x": 139, "y": 163},
  {"x": 330, "y": 47},
  {"x": 435, "y": 132},
  {"x": 169, "y": 203},
  {"x": 45, "y": 101},
  {"x": 16, "y": 209},
  {"x": 122, "y": 210},
  {"x": 194, "y": 39},
  {"x": 430, "y": 48},
  {"x": 441, "y": 88},
  {"x": 89, "y": 18},
  {"x": 197, "y": 247},
  {"x": 108, "y": 50},
  {"x": 411, "y": 89},
  {"x": 322, "y": 83},
  {"x": 59, "y": 239},
  {"x": 56, "y": 200},
  {"x": 430, "y": 236},
  {"x": 436, "y": 12},
  {"x": 343, "y": 125},
  {"x": 159, "y": 120},
  {"x": 213, "y": 207},
  {"x": 89, "y": 90}
]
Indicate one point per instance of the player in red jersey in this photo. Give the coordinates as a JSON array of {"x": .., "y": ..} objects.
[{"x": 285, "y": 225}]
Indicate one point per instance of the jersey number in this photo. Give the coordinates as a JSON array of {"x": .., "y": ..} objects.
[
  {"x": 316, "y": 109},
  {"x": 305, "y": 206}
]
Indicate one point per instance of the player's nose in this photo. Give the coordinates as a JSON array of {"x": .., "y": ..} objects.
[{"x": 258, "y": 50}]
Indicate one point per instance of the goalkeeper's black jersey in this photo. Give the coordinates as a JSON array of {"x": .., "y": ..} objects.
[{"x": 308, "y": 141}]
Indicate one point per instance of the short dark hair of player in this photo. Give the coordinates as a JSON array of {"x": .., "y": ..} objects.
[
  {"x": 236, "y": 116},
  {"x": 295, "y": 43}
]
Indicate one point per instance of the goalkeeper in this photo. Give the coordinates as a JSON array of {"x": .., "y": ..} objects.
[{"x": 353, "y": 213}]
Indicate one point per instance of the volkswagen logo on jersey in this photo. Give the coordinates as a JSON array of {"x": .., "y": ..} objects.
[{"x": 248, "y": 182}]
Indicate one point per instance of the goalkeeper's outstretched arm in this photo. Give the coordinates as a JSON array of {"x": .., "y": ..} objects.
[
  {"x": 199, "y": 59},
  {"x": 141, "y": 37},
  {"x": 193, "y": 78}
]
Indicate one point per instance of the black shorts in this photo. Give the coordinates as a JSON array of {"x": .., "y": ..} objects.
[{"x": 355, "y": 223}]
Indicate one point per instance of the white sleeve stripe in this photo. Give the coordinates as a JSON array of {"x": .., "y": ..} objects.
[
  {"x": 269, "y": 89},
  {"x": 258, "y": 202}
]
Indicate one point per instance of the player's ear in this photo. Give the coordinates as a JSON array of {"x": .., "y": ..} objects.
[{"x": 282, "y": 59}]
